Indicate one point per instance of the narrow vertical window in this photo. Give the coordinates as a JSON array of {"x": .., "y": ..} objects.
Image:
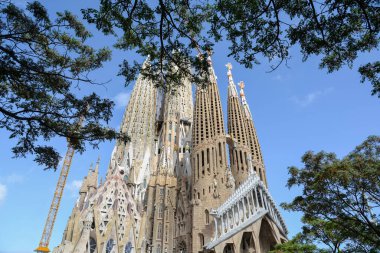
[
  {"x": 159, "y": 231},
  {"x": 241, "y": 160},
  {"x": 198, "y": 165},
  {"x": 160, "y": 212},
  {"x": 201, "y": 240},
  {"x": 203, "y": 159}
]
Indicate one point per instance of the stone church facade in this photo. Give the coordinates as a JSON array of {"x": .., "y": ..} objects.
[{"x": 172, "y": 188}]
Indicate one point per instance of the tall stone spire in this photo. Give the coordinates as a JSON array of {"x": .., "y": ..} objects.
[
  {"x": 139, "y": 124},
  {"x": 257, "y": 159},
  {"x": 172, "y": 136},
  {"x": 139, "y": 116},
  {"x": 209, "y": 163},
  {"x": 216, "y": 107},
  {"x": 92, "y": 178},
  {"x": 169, "y": 189},
  {"x": 239, "y": 152}
]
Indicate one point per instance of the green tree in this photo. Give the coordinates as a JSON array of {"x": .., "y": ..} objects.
[
  {"x": 41, "y": 63},
  {"x": 336, "y": 30},
  {"x": 340, "y": 198},
  {"x": 298, "y": 244}
]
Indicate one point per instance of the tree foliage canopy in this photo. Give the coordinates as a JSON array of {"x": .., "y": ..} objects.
[
  {"x": 298, "y": 244},
  {"x": 336, "y": 30},
  {"x": 340, "y": 198},
  {"x": 41, "y": 62}
]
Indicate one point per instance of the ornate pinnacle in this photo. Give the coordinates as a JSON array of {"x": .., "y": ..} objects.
[
  {"x": 229, "y": 67},
  {"x": 232, "y": 92},
  {"x": 97, "y": 164},
  {"x": 241, "y": 85}
]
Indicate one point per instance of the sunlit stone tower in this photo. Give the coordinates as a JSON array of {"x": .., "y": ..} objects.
[
  {"x": 257, "y": 158},
  {"x": 173, "y": 133},
  {"x": 172, "y": 188},
  {"x": 239, "y": 150},
  {"x": 209, "y": 162}
]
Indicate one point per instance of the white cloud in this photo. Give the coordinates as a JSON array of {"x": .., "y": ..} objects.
[
  {"x": 122, "y": 99},
  {"x": 311, "y": 97},
  {"x": 14, "y": 179},
  {"x": 73, "y": 187},
  {"x": 3, "y": 192}
]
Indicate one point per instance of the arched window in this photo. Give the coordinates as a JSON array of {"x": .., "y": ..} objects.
[
  {"x": 144, "y": 183},
  {"x": 92, "y": 245},
  {"x": 160, "y": 212},
  {"x": 128, "y": 248},
  {"x": 198, "y": 165},
  {"x": 159, "y": 231},
  {"x": 109, "y": 246},
  {"x": 201, "y": 240},
  {"x": 229, "y": 248},
  {"x": 158, "y": 248},
  {"x": 241, "y": 160},
  {"x": 166, "y": 233},
  {"x": 207, "y": 216},
  {"x": 182, "y": 247}
]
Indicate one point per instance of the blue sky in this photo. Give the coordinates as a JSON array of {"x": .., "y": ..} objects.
[{"x": 295, "y": 109}]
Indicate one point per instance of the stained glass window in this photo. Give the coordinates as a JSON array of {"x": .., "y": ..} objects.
[{"x": 109, "y": 246}]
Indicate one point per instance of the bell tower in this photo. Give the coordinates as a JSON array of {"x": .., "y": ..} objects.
[{"x": 209, "y": 162}]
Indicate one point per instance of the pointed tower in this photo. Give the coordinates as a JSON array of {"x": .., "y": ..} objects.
[
  {"x": 239, "y": 151},
  {"x": 172, "y": 136},
  {"x": 108, "y": 217},
  {"x": 209, "y": 163},
  {"x": 92, "y": 178},
  {"x": 169, "y": 189},
  {"x": 257, "y": 158},
  {"x": 138, "y": 123}
]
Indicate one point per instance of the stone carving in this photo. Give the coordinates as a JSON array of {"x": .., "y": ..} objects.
[{"x": 230, "y": 182}]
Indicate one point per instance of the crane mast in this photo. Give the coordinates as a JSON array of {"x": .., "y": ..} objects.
[{"x": 49, "y": 224}]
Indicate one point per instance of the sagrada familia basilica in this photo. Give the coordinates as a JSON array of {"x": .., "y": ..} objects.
[{"x": 172, "y": 188}]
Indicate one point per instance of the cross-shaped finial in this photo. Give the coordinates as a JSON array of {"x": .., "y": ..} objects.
[
  {"x": 229, "y": 66},
  {"x": 241, "y": 85}
]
